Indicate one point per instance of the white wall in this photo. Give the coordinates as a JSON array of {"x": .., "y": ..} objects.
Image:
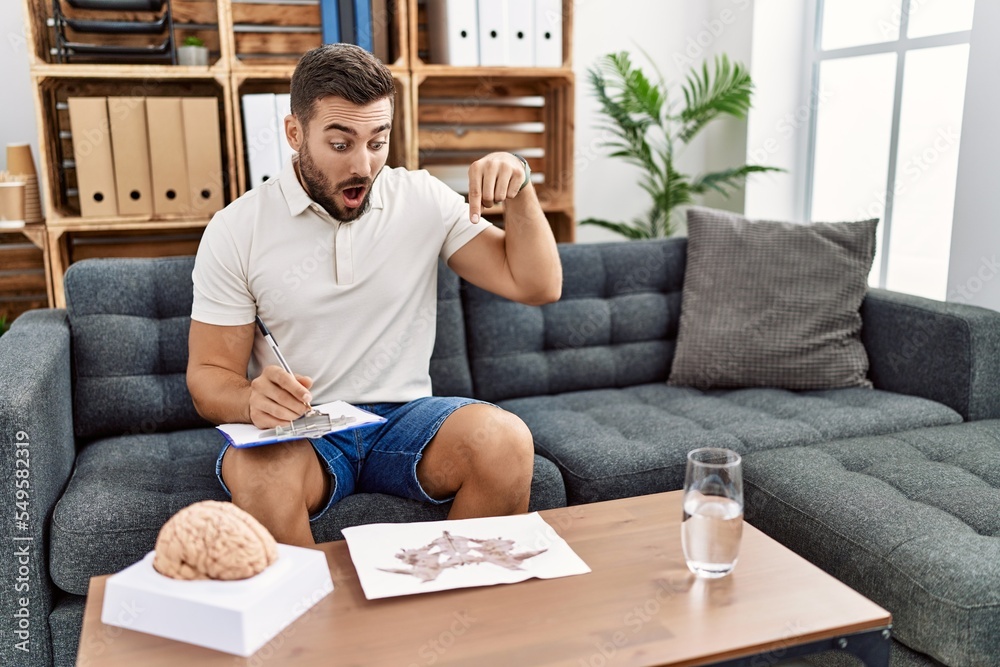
[
  {"x": 778, "y": 127},
  {"x": 676, "y": 34},
  {"x": 973, "y": 269},
  {"x": 17, "y": 108}
]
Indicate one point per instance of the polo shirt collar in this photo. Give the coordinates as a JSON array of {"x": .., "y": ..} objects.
[{"x": 297, "y": 198}]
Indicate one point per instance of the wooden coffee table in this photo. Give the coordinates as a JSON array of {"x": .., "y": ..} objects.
[{"x": 639, "y": 606}]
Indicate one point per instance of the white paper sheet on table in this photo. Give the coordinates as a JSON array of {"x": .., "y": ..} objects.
[{"x": 374, "y": 549}]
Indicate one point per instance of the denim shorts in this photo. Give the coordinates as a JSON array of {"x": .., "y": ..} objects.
[{"x": 381, "y": 458}]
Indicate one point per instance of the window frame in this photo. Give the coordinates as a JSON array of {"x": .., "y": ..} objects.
[{"x": 900, "y": 46}]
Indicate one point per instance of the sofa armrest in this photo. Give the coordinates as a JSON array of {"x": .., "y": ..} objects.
[
  {"x": 36, "y": 455},
  {"x": 946, "y": 352}
]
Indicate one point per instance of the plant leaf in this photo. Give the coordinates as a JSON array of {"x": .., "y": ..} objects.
[
  {"x": 728, "y": 178},
  {"x": 628, "y": 231},
  {"x": 726, "y": 91},
  {"x": 632, "y": 103}
]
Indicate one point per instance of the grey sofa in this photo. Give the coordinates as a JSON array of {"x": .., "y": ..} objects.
[{"x": 895, "y": 490}]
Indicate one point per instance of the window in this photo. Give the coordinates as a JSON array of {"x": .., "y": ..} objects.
[{"x": 884, "y": 140}]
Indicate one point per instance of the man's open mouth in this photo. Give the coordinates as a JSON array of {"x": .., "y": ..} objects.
[{"x": 353, "y": 196}]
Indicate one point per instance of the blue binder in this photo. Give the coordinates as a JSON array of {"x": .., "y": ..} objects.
[
  {"x": 347, "y": 21},
  {"x": 330, "y": 18},
  {"x": 363, "y": 25}
]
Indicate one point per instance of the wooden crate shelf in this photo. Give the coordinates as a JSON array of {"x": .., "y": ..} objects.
[
  {"x": 461, "y": 118},
  {"x": 445, "y": 117}
]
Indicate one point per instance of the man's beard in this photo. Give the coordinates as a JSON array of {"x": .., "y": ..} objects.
[{"x": 319, "y": 189}]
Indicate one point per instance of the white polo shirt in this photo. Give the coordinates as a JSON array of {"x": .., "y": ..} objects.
[{"x": 353, "y": 305}]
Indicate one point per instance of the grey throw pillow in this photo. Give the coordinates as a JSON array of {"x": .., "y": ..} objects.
[{"x": 773, "y": 304}]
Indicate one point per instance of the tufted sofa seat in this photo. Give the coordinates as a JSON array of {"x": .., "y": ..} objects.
[
  {"x": 637, "y": 438},
  {"x": 912, "y": 519}
]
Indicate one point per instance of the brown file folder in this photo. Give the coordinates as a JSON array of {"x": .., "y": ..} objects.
[
  {"x": 130, "y": 149},
  {"x": 95, "y": 172},
  {"x": 204, "y": 154},
  {"x": 168, "y": 164}
]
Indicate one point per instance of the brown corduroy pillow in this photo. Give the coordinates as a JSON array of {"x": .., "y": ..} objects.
[{"x": 773, "y": 304}]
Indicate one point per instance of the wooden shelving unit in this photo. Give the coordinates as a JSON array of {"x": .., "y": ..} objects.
[
  {"x": 461, "y": 113},
  {"x": 445, "y": 116}
]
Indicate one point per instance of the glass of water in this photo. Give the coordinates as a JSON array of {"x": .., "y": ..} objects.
[{"x": 713, "y": 511}]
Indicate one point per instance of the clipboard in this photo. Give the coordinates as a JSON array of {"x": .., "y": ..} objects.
[{"x": 342, "y": 417}]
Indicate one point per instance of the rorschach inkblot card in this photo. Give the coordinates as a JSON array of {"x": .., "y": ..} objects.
[{"x": 407, "y": 558}]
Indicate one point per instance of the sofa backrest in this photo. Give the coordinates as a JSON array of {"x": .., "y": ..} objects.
[
  {"x": 450, "y": 375},
  {"x": 130, "y": 319},
  {"x": 615, "y": 325}
]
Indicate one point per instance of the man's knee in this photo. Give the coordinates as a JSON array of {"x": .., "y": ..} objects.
[
  {"x": 478, "y": 442},
  {"x": 503, "y": 445},
  {"x": 279, "y": 468}
]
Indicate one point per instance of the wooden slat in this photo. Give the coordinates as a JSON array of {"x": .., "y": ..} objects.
[
  {"x": 195, "y": 12},
  {"x": 22, "y": 283},
  {"x": 282, "y": 42},
  {"x": 276, "y": 14},
  {"x": 483, "y": 88},
  {"x": 82, "y": 247},
  {"x": 14, "y": 306},
  {"x": 38, "y": 34},
  {"x": 471, "y": 140},
  {"x": 20, "y": 257},
  {"x": 471, "y": 114},
  {"x": 11, "y": 238},
  {"x": 536, "y": 164},
  {"x": 184, "y": 12}
]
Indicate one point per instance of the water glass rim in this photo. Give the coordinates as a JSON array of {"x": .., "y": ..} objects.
[{"x": 730, "y": 458}]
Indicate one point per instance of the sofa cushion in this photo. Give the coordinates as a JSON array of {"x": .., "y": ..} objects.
[
  {"x": 614, "y": 326},
  {"x": 773, "y": 304},
  {"x": 125, "y": 488},
  {"x": 910, "y": 520},
  {"x": 615, "y": 443},
  {"x": 129, "y": 320}
]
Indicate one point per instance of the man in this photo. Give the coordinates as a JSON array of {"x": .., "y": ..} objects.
[{"x": 338, "y": 256}]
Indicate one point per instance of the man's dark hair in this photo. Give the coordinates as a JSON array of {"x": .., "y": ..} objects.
[{"x": 343, "y": 70}]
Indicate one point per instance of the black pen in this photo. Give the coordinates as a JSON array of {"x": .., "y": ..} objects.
[{"x": 274, "y": 347}]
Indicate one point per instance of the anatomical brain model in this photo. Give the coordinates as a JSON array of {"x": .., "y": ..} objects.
[{"x": 213, "y": 540}]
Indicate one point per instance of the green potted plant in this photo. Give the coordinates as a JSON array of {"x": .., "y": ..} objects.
[
  {"x": 649, "y": 126},
  {"x": 192, "y": 51}
]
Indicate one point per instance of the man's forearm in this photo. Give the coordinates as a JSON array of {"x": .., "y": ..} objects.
[
  {"x": 531, "y": 249},
  {"x": 220, "y": 396}
]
